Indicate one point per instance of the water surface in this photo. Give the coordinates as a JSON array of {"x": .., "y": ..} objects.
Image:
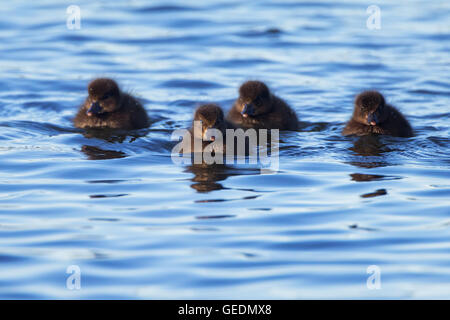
[{"x": 141, "y": 227}]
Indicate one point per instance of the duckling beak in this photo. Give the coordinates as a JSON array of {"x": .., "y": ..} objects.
[
  {"x": 206, "y": 138},
  {"x": 248, "y": 110},
  {"x": 372, "y": 119},
  {"x": 94, "y": 109}
]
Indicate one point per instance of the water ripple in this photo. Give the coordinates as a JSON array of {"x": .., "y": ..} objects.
[{"x": 140, "y": 226}]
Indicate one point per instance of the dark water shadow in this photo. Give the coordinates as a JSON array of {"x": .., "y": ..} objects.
[
  {"x": 102, "y": 196},
  {"x": 356, "y": 226},
  {"x": 96, "y": 153},
  {"x": 118, "y": 143},
  {"x": 377, "y": 193},
  {"x": 224, "y": 216},
  {"x": 114, "y": 135},
  {"x": 363, "y": 177}
]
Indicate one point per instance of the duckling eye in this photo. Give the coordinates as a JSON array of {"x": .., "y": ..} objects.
[
  {"x": 106, "y": 96},
  {"x": 258, "y": 101}
]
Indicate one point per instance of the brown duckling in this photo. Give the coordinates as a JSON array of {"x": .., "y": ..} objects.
[
  {"x": 211, "y": 117},
  {"x": 108, "y": 107},
  {"x": 258, "y": 108},
  {"x": 373, "y": 115}
]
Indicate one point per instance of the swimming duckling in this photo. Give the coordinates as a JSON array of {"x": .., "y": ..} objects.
[
  {"x": 211, "y": 117},
  {"x": 373, "y": 115},
  {"x": 258, "y": 108},
  {"x": 108, "y": 107}
]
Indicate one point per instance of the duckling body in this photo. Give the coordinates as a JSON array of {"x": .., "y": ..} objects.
[
  {"x": 208, "y": 116},
  {"x": 108, "y": 107},
  {"x": 258, "y": 108},
  {"x": 372, "y": 115}
]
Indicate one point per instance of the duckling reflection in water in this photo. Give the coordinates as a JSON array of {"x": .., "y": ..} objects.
[
  {"x": 371, "y": 115},
  {"x": 113, "y": 135},
  {"x": 370, "y": 152},
  {"x": 108, "y": 107},
  {"x": 364, "y": 177},
  {"x": 206, "y": 176},
  {"x": 96, "y": 153},
  {"x": 370, "y": 146}
]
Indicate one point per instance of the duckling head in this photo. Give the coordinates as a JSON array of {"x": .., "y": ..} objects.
[
  {"x": 254, "y": 99},
  {"x": 211, "y": 116},
  {"x": 104, "y": 97},
  {"x": 370, "y": 108}
]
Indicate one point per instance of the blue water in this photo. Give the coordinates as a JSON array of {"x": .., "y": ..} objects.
[{"x": 139, "y": 226}]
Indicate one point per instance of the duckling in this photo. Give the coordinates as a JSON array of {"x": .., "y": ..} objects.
[
  {"x": 108, "y": 107},
  {"x": 258, "y": 108},
  {"x": 211, "y": 117},
  {"x": 373, "y": 115}
]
